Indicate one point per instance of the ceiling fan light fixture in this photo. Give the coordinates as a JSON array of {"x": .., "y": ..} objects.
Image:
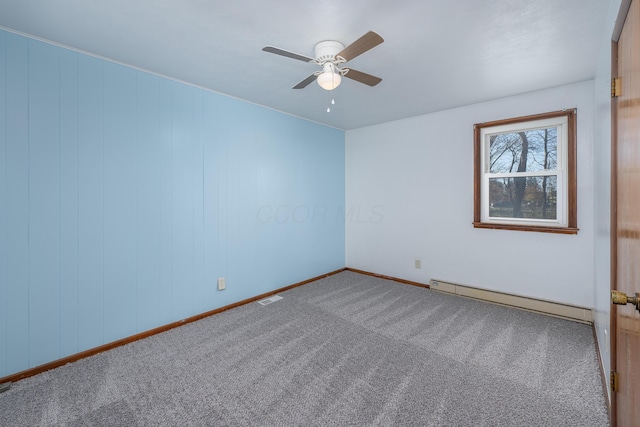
[{"x": 329, "y": 79}]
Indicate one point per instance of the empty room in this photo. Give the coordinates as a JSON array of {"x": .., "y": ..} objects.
[{"x": 296, "y": 213}]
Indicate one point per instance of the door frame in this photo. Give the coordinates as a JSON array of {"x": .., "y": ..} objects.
[{"x": 613, "y": 321}]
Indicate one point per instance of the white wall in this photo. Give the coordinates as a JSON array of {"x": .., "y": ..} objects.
[{"x": 409, "y": 194}]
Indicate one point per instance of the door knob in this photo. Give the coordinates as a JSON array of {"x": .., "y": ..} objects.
[{"x": 621, "y": 298}]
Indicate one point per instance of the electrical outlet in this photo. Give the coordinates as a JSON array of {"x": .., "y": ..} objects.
[
  {"x": 418, "y": 263},
  {"x": 221, "y": 284}
]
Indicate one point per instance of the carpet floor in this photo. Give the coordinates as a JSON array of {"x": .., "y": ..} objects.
[{"x": 350, "y": 350}]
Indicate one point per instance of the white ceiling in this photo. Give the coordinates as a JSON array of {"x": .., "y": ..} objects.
[{"x": 437, "y": 54}]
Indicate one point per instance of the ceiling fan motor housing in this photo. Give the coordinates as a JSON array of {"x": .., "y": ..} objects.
[{"x": 327, "y": 50}]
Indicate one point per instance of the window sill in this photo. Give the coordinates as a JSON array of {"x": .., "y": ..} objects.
[{"x": 557, "y": 230}]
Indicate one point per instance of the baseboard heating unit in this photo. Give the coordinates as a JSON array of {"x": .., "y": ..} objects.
[{"x": 565, "y": 311}]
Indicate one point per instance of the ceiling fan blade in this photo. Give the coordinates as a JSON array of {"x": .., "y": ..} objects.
[
  {"x": 286, "y": 53},
  {"x": 360, "y": 46},
  {"x": 361, "y": 77},
  {"x": 306, "y": 82}
]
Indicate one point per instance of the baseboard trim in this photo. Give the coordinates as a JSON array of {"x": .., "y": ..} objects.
[
  {"x": 93, "y": 351},
  {"x": 395, "y": 279},
  {"x": 550, "y": 308},
  {"x": 603, "y": 376}
]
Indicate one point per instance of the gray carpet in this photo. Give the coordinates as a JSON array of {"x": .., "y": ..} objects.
[{"x": 349, "y": 349}]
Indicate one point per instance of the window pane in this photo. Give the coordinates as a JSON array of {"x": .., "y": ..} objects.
[
  {"x": 528, "y": 151},
  {"x": 529, "y": 198}
]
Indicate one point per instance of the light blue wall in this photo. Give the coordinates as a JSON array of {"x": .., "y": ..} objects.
[{"x": 124, "y": 196}]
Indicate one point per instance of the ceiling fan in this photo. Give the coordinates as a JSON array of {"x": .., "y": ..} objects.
[{"x": 331, "y": 55}]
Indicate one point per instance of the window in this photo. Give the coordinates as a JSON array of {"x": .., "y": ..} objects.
[{"x": 525, "y": 173}]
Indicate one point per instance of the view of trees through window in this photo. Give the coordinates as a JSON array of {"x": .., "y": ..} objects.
[{"x": 526, "y": 165}]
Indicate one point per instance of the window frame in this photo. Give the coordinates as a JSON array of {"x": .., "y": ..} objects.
[{"x": 567, "y": 184}]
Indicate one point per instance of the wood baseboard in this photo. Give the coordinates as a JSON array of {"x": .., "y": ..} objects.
[
  {"x": 603, "y": 376},
  {"x": 550, "y": 308},
  {"x": 395, "y": 279},
  {"x": 93, "y": 351}
]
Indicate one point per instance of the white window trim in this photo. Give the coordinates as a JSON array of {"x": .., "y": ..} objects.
[{"x": 561, "y": 123}]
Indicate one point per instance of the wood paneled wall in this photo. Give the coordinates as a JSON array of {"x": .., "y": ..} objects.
[{"x": 124, "y": 196}]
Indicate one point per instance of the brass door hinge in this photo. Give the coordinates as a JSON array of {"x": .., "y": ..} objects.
[
  {"x": 614, "y": 381},
  {"x": 616, "y": 87}
]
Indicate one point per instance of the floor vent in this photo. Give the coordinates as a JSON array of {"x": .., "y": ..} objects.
[{"x": 269, "y": 300}]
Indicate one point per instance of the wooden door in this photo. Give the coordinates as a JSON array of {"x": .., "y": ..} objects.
[{"x": 625, "y": 320}]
